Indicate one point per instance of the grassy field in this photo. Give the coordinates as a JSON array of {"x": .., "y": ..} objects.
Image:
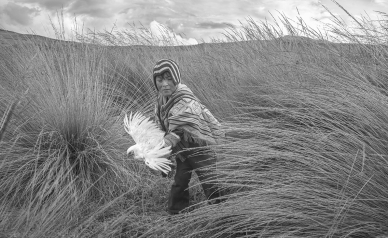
[{"x": 305, "y": 152}]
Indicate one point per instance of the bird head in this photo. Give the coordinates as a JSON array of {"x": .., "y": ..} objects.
[{"x": 134, "y": 150}]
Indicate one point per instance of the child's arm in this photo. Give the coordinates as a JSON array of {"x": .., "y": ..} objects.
[{"x": 172, "y": 138}]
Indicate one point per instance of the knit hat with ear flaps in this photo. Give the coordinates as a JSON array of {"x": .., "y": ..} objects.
[{"x": 164, "y": 65}]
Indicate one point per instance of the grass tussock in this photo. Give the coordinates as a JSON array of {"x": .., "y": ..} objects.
[
  {"x": 65, "y": 148},
  {"x": 304, "y": 154}
]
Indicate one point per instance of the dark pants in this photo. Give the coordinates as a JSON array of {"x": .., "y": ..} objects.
[{"x": 179, "y": 194}]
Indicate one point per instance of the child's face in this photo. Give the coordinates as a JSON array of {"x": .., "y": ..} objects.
[{"x": 165, "y": 84}]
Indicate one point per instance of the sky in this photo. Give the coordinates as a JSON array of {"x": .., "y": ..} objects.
[{"x": 195, "y": 21}]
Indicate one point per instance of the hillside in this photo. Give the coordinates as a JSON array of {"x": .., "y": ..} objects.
[
  {"x": 305, "y": 155},
  {"x": 289, "y": 46}
]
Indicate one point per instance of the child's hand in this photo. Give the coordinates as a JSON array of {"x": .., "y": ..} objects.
[
  {"x": 167, "y": 143},
  {"x": 169, "y": 175}
]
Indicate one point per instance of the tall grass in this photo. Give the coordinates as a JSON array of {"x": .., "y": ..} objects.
[
  {"x": 65, "y": 150},
  {"x": 308, "y": 157},
  {"x": 305, "y": 152}
]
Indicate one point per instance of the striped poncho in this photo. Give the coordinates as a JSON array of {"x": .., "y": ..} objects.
[{"x": 185, "y": 120}]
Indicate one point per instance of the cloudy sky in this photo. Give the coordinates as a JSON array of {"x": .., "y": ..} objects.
[{"x": 195, "y": 20}]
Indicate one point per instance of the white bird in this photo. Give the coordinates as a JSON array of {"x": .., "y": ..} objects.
[{"x": 149, "y": 142}]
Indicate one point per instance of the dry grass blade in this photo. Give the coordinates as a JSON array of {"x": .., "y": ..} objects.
[{"x": 7, "y": 117}]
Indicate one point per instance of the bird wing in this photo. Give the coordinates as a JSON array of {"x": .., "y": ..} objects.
[
  {"x": 142, "y": 129},
  {"x": 156, "y": 158},
  {"x": 161, "y": 164},
  {"x": 131, "y": 125},
  {"x": 158, "y": 151},
  {"x": 149, "y": 141}
]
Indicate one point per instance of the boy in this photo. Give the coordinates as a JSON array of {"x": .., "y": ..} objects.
[{"x": 189, "y": 125}]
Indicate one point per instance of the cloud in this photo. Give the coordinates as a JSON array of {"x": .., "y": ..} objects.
[
  {"x": 161, "y": 11},
  {"x": 93, "y": 8},
  {"x": 16, "y": 14},
  {"x": 213, "y": 25},
  {"x": 48, "y": 4},
  {"x": 381, "y": 2},
  {"x": 323, "y": 15},
  {"x": 164, "y": 36},
  {"x": 199, "y": 19}
]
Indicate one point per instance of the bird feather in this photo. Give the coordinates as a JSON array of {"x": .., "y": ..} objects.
[{"x": 149, "y": 141}]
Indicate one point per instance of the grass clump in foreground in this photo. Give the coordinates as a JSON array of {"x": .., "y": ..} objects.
[
  {"x": 305, "y": 153},
  {"x": 64, "y": 149}
]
